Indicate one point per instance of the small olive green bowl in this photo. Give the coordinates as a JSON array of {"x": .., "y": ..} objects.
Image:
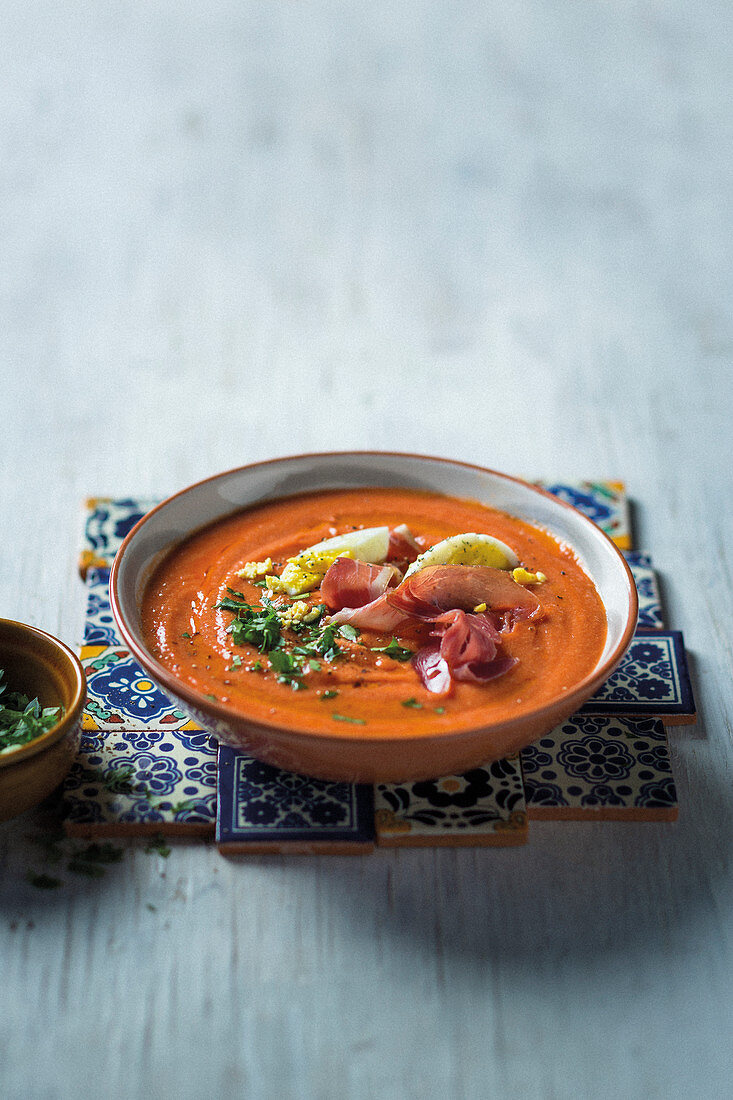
[{"x": 39, "y": 665}]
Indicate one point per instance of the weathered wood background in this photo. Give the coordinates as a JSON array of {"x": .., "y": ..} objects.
[{"x": 499, "y": 232}]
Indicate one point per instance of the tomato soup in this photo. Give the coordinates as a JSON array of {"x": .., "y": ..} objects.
[{"x": 298, "y": 674}]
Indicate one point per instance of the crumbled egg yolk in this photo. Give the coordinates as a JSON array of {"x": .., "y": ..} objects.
[
  {"x": 298, "y": 612},
  {"x": 256, "y": 570},
  {"x": 306, "y": 571},
  {"x": 523, "y": 576}
]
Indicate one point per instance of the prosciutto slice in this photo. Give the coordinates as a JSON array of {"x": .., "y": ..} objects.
[
  {"x": 403, "y": 547},
  {"x": 468, "y": 650},
  {"x": 352, "y": 584},
  {"x": 438, "y": 588},
  {"x": 467, "y": 643},
  {"x": 433, "y": 669},
  {"x": 378, "y": 615}
]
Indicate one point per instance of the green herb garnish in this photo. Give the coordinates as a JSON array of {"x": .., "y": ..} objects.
[
  {"x": 119, "y": 780},
  {"x": 412, "y": 702},
  {"x": 91, "y": 860},
  {"x": 261, "y": 626},
  {"x": 158, "y": 846},
  {"x": 330, "y": 694},
  {"x": 394, "y": 650},
  {"x": 288, "y": 668},
  {"x": 258, "y": 626},
  {"x": 347, "y": 718},
  {"x": 325, "y": 643},
  {"x": 43, "y": 882},
  {"x": 23, "y": 719}
]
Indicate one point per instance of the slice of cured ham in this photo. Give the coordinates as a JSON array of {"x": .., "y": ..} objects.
[
  {"x": 403, "y": 546},
  {"x": 378, "y": 615},
  {"x": 433, "y": 669},
  {"x": 352, "y": 584},
  {"x": 426, "y": 596},
  {"x": 438, "y": 588},
  {"x": 468, "y": 642},
  {"x": 468, "y": 650}
]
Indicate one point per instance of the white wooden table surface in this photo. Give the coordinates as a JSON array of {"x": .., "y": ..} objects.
[{"x": 499, "y": 232}]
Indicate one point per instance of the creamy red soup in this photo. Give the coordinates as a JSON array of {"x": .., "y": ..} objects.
[{"x": 237, "y": 639}]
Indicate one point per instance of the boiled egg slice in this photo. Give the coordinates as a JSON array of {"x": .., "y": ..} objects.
[
  {"x": 305, "y": 571},
  {"x": 467, "y": 549}
]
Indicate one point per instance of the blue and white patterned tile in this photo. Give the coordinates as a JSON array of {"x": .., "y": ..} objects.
[
  {"x": 100, "y": 627},
  {"x": 605, "y": 502},
  {"x": 483, "y": 806},
  {"x": 265, "y": 809},
  {"x": 106, "y": 523},
  {"x": 652, "y": 680},
  {"x": 138, "y": 782},
  {"x": 601, "y": 767},
  {"x": 647, "y": 586},
  {"x": 120, "y": 695}
]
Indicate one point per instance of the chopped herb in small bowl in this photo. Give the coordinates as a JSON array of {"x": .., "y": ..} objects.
[
  {"x": 22, "y": 719},
  {"x": 42, "y": 695}
]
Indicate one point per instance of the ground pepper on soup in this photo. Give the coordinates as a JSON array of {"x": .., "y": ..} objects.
[{"x": 248, "y": 611}]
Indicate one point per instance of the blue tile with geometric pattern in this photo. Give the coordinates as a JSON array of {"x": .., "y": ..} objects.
[
  {"x": 265, "y": 809},
  {"x": 599, "y": 766},
  {"x": 647, "y": 587},
  {"x": 652, "y": 680}
]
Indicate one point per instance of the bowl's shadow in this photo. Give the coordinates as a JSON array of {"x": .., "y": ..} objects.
[{"x": 575, "y": 892}]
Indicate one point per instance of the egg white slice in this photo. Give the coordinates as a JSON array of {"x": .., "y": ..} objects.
[{"x": 467, "y": 549}]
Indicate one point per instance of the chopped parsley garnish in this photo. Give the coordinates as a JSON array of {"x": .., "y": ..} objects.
[
  {"x": 394, "y": 650},
  {"x": 288, "y": 667},
  {"x": 258, "y": 626},
  {"x": 119, "y": 780},
  {"x": 325, "y": 643},
  {"x": 412, "y": 702},
  {"x": 329, "y": 694},
  {"x": 43, "y": 882},
  {"x": 267, "y": 626},
  {"x": 348, "y": 718},
  {"x": 90, "y": 861},
  {"x": 158, "y": 846},
  {"x": 23, "y": 719}
]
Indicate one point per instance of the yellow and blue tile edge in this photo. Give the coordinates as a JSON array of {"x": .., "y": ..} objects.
[{"x": 145, "y": 767}]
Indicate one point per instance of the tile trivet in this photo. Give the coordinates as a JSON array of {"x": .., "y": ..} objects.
[
  {"x": 265, "y": 809},
  {"x": 144, "y": 766}
]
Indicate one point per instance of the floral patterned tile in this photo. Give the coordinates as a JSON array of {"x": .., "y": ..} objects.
[
  {"x": 647, "y": 586},
  {"x": 100, "y": 627},
  {"x": 106, "y": 523},
  {"x": 121, "y": 696},
  {"x": 652, "y": 680},
  {"x": 593, "y": 767},
  {"x": 604, "y": 502},
  {"x": 264, "y": 809},
  {"x": 136, "y": 782},
  {"x": 484, "y": 806}
]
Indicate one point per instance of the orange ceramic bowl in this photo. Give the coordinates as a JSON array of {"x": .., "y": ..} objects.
[
  {"x": 349, "y": 755},
  {"x": 39, "y": 665}
]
